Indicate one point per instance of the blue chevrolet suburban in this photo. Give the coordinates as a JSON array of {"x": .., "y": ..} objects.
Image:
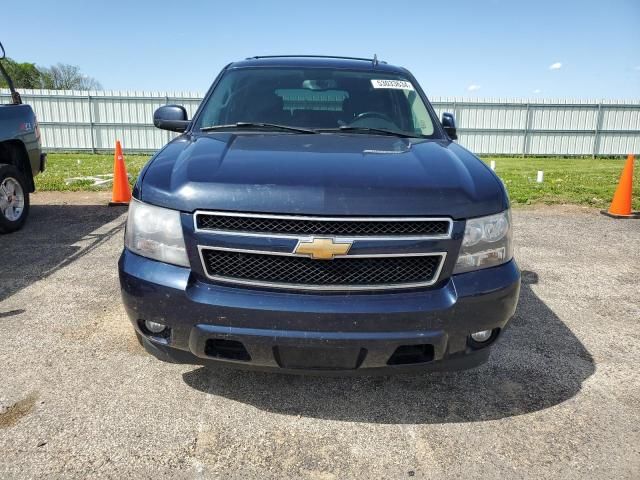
[{"x": 315, "y": 216}]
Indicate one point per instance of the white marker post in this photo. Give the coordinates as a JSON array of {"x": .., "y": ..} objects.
[
  {"x": 540, "y": 176},
  {"x": 493, "y": 164}
]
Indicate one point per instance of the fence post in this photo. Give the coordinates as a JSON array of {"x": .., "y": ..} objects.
[
  {"x": 93, "y": 144},
  {"x": 596, "y": 131},
  {"x": 166, "y": 98},
  {"x": 527, "y": 127}
]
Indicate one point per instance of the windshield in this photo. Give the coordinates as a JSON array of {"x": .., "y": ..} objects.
[{"x": 317, "y": 99}]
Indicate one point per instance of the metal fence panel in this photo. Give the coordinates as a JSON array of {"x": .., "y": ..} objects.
[
  {"x": 92, "y": 121},
  {"x": 618, "y": 143}
]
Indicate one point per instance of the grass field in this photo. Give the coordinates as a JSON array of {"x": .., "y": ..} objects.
[
  {"x": 63, "y": 166},
  {"x": 581, "y": 181}
]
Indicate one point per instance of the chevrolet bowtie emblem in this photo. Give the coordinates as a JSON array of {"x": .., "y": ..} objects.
[{"x": 322, "y": 248}]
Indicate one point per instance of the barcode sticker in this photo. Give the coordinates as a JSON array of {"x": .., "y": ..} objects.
[{"x": 395, "y": 84}]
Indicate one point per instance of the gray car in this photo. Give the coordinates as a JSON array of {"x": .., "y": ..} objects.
[{"x": 21, "y": 157}]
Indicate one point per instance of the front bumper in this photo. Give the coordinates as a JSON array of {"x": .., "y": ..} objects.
[{"x": 306, "y": 332}]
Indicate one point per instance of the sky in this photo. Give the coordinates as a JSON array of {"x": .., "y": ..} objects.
[{"x": 473, "y": 49}]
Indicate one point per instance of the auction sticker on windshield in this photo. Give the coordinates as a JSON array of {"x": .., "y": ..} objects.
[{"x": 395, "y": 84}]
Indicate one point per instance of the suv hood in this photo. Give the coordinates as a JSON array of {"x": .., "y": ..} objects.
[{"x": 323, "y": 174}]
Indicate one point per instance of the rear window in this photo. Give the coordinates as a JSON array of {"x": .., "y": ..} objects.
[{"x": 317, "y": 98}]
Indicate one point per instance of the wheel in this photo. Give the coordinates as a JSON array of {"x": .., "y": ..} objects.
[{"x": 14, "y": 199}]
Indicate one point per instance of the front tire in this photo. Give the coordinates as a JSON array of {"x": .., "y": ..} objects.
[{"x": 14, "y": 199}]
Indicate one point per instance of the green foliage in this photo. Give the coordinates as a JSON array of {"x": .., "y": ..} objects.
[
  {"x": 57, "y": 77},
  {"x": 24, "y": 75}
]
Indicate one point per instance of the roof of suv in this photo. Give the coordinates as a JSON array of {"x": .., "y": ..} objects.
[{"x": 317, "y": 61}]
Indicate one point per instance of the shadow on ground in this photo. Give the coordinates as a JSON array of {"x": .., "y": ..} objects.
[
  {"x": 538, "y": 363},
  {"x": 49, "y": 241}
]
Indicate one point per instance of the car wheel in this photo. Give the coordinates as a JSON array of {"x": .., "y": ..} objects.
[{"x": 14, "y": 199}]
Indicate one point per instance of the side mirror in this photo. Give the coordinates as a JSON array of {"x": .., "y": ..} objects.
[
  {"x": 449, "y": 124},
  {"x": 171, "y": 117}
]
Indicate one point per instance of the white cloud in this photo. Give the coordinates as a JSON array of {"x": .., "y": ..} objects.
[
  {"x": 473, "y": 87},
  {"x": 555, "y": 66},
  {"x": 537, "y": 90}
]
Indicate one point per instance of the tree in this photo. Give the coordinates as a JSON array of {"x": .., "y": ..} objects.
[
  {"x": 67, "y": 77},
  {"x": 24, "y": 75},
  {"x": 57, "y": 77}
]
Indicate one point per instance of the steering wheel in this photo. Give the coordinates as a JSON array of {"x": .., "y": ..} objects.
[{"x": 365, "y": 115}]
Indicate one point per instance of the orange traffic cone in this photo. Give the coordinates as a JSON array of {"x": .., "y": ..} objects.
[
  {"x": 121, "y": 190},
  {"x": 621, "y": 203}
]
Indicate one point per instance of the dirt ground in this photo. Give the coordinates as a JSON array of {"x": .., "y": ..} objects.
[{"x": 559, "y": 398}]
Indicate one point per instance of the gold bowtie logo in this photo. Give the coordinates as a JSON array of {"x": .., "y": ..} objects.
[{"x": 322, "y": 248}]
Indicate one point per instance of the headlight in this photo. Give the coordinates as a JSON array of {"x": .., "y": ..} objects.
[
  {"x": 155, "y": 232},
  {"x": 486, "y": 243}
]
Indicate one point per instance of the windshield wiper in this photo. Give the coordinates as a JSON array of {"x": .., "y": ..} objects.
[
  {"x": 249, "y": 125},
  {"x": 381, "y": 131}
]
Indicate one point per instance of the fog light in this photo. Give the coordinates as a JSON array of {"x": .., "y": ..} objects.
[
  {"x": 154, "y": 327},
  {"x": 481, "y": 336}
]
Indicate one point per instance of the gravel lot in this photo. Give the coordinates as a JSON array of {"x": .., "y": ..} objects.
[{"x": 79, "y": 398}]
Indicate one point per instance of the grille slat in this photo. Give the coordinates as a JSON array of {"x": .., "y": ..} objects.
[
  {"x": 340, "y": 272},
  {"x": 311, "y": 226}
]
